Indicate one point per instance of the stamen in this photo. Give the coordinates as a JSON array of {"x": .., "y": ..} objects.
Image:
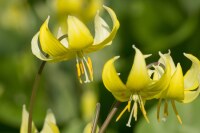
[
  {"x": 89, "y": 66},
  {"x": 166, "y": 109},
  {"x": 78, "y": 69},
  {"x": 86, "y": 75},
  {"x": 128, "y": 106},
  {"x": 176, "y": 112},
  {"x": 143, "y": 109},
  {"x": 81, "y": 66},
  {"x": 130, "y": 117},
  {"x": 84, "y": 67},
  {"x": 158, "y": 109},
  {"x": 90, "y": 63}
]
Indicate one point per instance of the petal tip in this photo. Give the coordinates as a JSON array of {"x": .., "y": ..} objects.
[
  {"x": 133, "y": 46},
  {"x": 116, "y": 57}
]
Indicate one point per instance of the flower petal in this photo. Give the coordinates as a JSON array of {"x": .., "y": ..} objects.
[
  {"x": 190, "y": 96},
  {"x": 60, "y": 36},
  {"x": 102, "y": 30},
  {"x": 24, "y": 124},
  {"x": 50, "y": 124},
  {"x": 79, "y": 36},
  {"x": 36, "y": 50},
  {"x": 138, "y": 77},
  {"x": 175, "y": 91},
  {"x": 155, "y": 89},
  {"x": 49, "y": 44},
  {"x": 171, "y": 62},
  {"x": 39, "y": 54},
  {"x": 113, "y": 83},
  {"x": 191, "y": 77},
  {"x": 101, "y": 37}
]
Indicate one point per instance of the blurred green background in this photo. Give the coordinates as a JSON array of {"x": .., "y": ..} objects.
[{"x": 151, "y": 25}]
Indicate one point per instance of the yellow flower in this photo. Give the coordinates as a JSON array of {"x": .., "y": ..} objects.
[
  {"x": 84, "y": 9},
  {"x": 181, "y": 88},
  {"x": 76, "y": 43},
  {"x": 49, "y": 124},
  {"x": 139, "y": 86},
  {"x": 88, "y": 128}
]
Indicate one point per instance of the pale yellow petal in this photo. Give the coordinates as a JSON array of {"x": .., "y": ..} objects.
[
  {"x": 175, "y": 90},
  {"x": 171, "y": 62},
  {"x": 79, "y": 36},
  {"x": 88, "y": 128},
  {"x": 62, "y": 38},
  {"x": 50, "y": 124},
  {"x": 36, "y": 49},
  {"x": 102, "y": 30},
  {"x": 49, "y": 44},
  {"x": 113, "y": 83},
  {"x": 191, "y": 77},
  {"x": 138, "y": 78},
  {"x": 190, "y": 96},
  {"x": 24, "y": 124},
  {"x": 105, "y": 39},
  {"x": 54, "y": 128}
]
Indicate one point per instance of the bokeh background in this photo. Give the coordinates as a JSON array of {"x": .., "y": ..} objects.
[{"x": 151, "y": 25}]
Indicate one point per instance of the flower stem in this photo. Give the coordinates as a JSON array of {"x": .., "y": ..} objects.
[
  {"x": 94, "y": 125},
  {"x": 33, "y": 95},
  {"x": 109, "y": 117}
]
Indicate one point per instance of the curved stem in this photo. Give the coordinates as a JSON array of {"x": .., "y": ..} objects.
[
  {"x": 94, "y": 126},
  {"x": 33, "y": 95},
  {"x": 109, "y": 117}
]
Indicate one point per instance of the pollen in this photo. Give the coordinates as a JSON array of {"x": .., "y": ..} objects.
[{"x": 84, "y": 68}]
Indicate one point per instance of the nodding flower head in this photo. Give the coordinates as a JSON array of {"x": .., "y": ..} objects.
[{"x": 76, "y": 43}]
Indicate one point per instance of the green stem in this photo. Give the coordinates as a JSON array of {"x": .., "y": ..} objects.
[
  {"x": 33, "y": 95},
  {"x": 109, "y": 117}
]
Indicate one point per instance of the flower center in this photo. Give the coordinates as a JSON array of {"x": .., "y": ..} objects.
[
  {"x": 84, "y": 68},
  {"x": 137, "y": 100}
]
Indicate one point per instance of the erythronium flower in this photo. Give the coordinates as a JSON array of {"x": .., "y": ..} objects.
[
  {"x": 181, "y": 88},
  {"x": 84, "y": 9},
  {"x": 76, "y": 43},
  {"x": 49, "y": 124},
  {"x": 139, "y": 86}
]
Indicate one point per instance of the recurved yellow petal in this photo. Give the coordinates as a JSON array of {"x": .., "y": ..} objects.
[
  {"x": 138, "y": 77},
  {"x": 157, "y": 87},
  {"x": 171, "y": 62},
  {"x": 36, "y": 50},
  {"x": 102, "y": 29},
  {"x": 49, "y": 44},
  {"x": 79, "y": 36},
  {"x": 175, "y": 91},
  {"x": 113, "y": 83},
  {"x": 191, "y": 80}
]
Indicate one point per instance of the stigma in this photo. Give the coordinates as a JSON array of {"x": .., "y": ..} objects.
[{"x": 84, "y": 68}]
